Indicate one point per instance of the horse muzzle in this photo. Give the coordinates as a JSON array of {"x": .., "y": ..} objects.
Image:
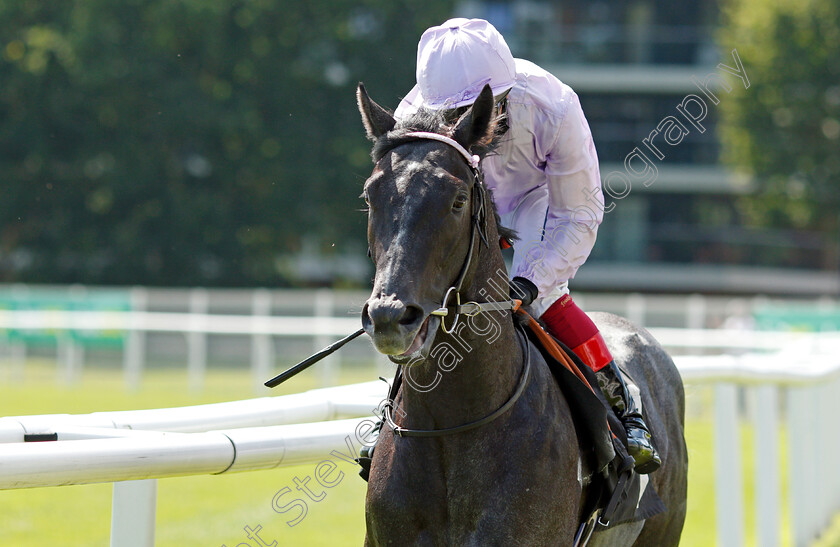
[{"x": 403, "y": 332}]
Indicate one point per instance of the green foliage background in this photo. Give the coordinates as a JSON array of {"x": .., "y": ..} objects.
[
  {"x": 186, "y": 142},
  {"x": 784, "y": 131}
]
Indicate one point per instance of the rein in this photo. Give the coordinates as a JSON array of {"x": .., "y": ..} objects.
[{"x": 403, "y": 432}]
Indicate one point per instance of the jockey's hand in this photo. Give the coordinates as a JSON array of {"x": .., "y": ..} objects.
[{"x": 524, "y": 290}]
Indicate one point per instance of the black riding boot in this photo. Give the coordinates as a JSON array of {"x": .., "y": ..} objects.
[{"x": 623, "y": 396}]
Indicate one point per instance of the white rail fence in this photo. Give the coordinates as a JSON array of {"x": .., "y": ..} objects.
[
  {"x": 798, "y": 391},
  {"x": 134, "y": 448},
  {"x": 262, "y": 328},
  {"x": 142, "y": 446},
  {"x": 264, "y": 322},
  {"x": 194, "y": 326}
]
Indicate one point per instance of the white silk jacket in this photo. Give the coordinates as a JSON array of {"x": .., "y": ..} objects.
[{"x": 545, "y": 180}]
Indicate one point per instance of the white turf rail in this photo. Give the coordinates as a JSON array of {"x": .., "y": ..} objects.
[
  {"x": 202, "y": 439},
  {"x": 157, "y": 455},
  {"x": 140, "y": 444},
  {"x": 176, "y": 322},
  {"x": 310, "y": 406},
  {"x": 267, "y": 432}
]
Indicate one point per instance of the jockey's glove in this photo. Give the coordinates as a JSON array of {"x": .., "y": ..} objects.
[{"x": 524, "y": 290}]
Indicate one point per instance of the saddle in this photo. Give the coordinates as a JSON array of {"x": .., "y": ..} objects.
[{"x": 617, "y": 494}]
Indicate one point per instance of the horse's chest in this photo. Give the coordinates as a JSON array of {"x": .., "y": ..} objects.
[{"x": 475, "y": 492}]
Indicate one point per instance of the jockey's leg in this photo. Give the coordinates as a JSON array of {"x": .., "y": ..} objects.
[{"x": 569, "y": 324}]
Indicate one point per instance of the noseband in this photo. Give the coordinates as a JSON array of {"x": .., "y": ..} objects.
[{"x": 478, "y": 226}]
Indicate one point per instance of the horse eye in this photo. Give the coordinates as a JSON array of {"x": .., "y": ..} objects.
[{"x": 460, "y": 201}]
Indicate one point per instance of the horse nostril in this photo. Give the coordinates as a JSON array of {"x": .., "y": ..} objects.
[
  {"x": 367, "y": 320},
  {"x": 413, "y": 314},
  {"x": 385, "y": 316}
]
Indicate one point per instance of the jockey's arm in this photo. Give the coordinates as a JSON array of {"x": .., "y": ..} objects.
[{"x": 575, "y": 201}]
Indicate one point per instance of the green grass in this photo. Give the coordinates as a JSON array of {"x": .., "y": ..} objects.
[
  {"x": 197, "y": 510},
  {"x": 213, "y": 510}
]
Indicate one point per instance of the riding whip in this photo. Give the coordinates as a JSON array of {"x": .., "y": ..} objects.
[{"x": 311, "y": 360}]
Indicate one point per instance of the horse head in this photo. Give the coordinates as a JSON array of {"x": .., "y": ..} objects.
[{"x": 422, "y": 196}]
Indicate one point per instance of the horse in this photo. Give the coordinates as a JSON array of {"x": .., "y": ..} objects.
[{"x": 495, "y": 459}]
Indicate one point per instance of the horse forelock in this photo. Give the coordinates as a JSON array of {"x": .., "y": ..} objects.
[
  {"x": 433, "y": 121},
  {"x": 426, "y": 120}
]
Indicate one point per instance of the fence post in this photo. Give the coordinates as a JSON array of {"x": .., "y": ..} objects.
[
  {"x": 133, "y": 508},
  {"x": 6, "y": 363},
  {"x": 834, "y": 484},
  {"x": 262, "y": 351},
  {"x": 695, "y": 320},
  {"x": 695, "y": 311},
  {"x": 69, "y": 355},
  {"x": 197, "y": 340},
  {"x": 324, "y": 305},
  {"x": 635, "y": 303},
  {"x": 767, "y": 472},
  {"x": 826, "y": 459},
  {"x": 799, "y": 462},
  {"x": 75, "y": 356},
  {"x": 17, "y": 358},
  {"x": 728, "y": 495},
  {"x": 134, "y": 353}
]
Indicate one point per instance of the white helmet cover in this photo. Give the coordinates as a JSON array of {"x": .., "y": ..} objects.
[{"x": 458, "y": 58}]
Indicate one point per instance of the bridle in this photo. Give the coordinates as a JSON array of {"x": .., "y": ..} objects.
[
  {"x": 478, "y": 229},
  {"x": 478, "y": 226}
]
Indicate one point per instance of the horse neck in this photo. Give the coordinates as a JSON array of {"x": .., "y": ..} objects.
[{"x": 474, "y": 370}]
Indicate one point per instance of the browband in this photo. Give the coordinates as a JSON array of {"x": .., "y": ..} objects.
[{"x": 472, "y": 159}]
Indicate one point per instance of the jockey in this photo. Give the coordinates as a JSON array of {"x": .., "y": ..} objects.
[{"x": 546, "y": 185}]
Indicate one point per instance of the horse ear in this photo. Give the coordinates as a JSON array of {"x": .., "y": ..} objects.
[
  {"x": 475, "y": 125},
  {"x": 376, "y": 119}
]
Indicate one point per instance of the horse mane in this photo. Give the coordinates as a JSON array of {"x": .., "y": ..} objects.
[{"x": 443, "y": 123}]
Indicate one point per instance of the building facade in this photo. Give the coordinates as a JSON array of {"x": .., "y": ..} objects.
[{"x": 643, "y": 68}]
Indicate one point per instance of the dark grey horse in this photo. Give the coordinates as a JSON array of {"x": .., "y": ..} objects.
[{"x": 521, "y": 478}]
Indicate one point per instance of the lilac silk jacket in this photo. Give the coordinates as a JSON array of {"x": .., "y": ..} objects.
[{"x": 545, "y": 180}]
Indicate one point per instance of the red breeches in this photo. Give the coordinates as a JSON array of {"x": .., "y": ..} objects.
[{"x": 569, "y": 324}]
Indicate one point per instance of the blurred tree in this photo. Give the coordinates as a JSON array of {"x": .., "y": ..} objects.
[
  {"x": 189, "y": 142},
  {"x": 784, "y": 130}
]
